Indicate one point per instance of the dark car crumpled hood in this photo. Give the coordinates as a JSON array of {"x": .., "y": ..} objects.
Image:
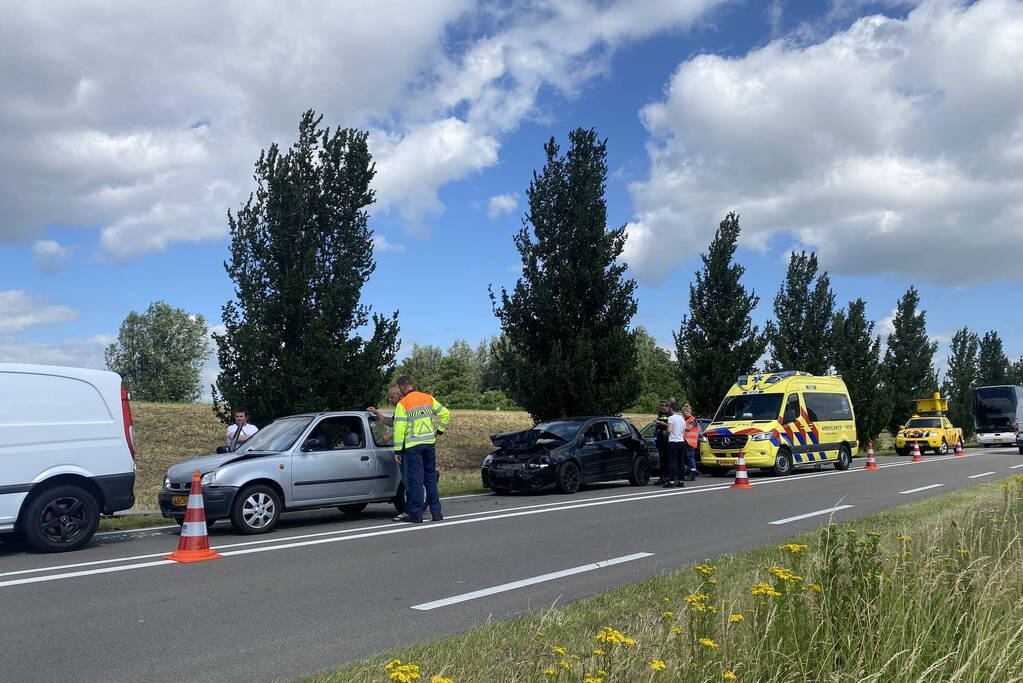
[{"x": 526, "y": 440}]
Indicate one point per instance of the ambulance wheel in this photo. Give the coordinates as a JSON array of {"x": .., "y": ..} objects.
[
  {"x": 568, "y": 477},
  {"x": 782, "y": 463},
  {"x": 256, "y": 509},
  {"x": 844, "y": 458},
  {"x": 942, "y": 449}
]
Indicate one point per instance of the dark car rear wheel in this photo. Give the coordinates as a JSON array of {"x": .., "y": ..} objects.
[
  {"x": 640, "y": 471},
  {"x": 256, "y": 509},
  {"x": 569, "y": 477},
  {"x": 60, "y": 519}
]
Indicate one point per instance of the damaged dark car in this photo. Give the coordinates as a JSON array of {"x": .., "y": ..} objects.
[{"x": 565, "y": 454}]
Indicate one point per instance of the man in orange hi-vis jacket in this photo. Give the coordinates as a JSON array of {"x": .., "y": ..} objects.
[{"x": 415, "y": 446}]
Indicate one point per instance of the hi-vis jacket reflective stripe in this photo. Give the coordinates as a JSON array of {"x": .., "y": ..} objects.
[
  {"x": 692, "y": 433},
  {"x": 413, "y": 420}
]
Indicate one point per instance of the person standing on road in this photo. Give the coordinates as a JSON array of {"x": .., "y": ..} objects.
[
  {"x": 415, "y": 445},
  {"x": 676, "y": 442},
  {"x": 691, "y": 439},
  {"x": 661, "y": 439},
  {"x": 241, "y": 431}
]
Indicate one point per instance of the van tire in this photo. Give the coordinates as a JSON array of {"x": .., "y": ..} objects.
[
  {"x": 40, "y": 523},
  {"x": 251, "y": 506},
  {"x": 782, "y": 463},
  {"x": 844, "y": 458}
]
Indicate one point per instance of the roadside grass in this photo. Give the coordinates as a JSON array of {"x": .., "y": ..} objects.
[
  {"x": 930, "y": 591},
  {"x": 169, "y": 433},
  {"x": 127, "y": 522}
]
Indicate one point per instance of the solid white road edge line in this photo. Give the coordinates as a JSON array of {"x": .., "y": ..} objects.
[
  {"x": 86, "y": 572},
  {"x": 815, "y": 513},
  {"x": 630, "y": 497},
  {"x": 922, "y": 488},
  {"x": 1015, "y": 467},
  {"x": 528, "y": 582},
  {"x": 977, "y": 476}
]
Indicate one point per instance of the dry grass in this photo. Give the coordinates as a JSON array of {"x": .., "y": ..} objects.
[{"x": 168, "y": 433}]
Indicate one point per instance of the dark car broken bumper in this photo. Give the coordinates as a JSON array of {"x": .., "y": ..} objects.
[{"x": 517, "y": 477}]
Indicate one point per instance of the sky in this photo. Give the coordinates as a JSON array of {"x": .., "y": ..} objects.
[{"x": 886, "y": 136}]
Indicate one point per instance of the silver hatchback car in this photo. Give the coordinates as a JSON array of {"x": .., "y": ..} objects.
[{"x": 343, "y": 459}]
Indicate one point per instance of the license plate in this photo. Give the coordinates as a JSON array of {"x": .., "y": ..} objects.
[
  {"x": 179, "y": 500},
  {"x": 728, "y": 461}
]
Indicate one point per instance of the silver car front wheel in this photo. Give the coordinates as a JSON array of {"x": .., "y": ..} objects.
[{"x": 256, "y": 509}]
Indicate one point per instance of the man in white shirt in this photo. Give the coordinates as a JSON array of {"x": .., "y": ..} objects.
[
  {"x": 241, "y": 431},
  {"x": 676, "y": 449}
]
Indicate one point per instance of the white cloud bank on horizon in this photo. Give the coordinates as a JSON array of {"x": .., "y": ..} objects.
[
  {"x": 19, "y": 310},
  {"x": 144, "y": 121},
  {"x": 893, "y": 146}
]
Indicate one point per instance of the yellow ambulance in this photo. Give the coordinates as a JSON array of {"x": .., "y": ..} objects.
[{"x": 781, "y": 421}]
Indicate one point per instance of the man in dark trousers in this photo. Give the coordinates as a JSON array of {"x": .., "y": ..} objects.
[
  {"x": 661, "y": 440},
  {"x": 676, "y": 449},
  {"x": 415, "y": 440}
]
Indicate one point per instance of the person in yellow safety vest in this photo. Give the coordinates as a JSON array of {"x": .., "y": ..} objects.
[
  {"x": 415, "y": 440},
  {"x": 691, "y": 436}
]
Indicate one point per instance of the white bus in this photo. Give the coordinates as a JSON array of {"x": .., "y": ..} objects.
[{"x": 998, "y": 414}]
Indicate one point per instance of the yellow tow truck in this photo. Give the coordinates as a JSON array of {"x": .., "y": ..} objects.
[{"x": 928, "y": 427}]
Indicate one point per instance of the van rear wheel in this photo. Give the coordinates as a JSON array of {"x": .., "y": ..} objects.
[
  {"x": 844, "y": 458},
  {"x": 60, "y": 519}
]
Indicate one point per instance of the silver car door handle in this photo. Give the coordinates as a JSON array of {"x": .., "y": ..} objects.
[{"x": 364, "y": 458}]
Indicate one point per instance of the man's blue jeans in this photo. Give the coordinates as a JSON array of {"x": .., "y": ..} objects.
[{"x": 421, "y": 469}]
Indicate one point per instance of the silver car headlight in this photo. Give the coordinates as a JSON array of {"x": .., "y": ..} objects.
[{"x": 208, "y": 479}]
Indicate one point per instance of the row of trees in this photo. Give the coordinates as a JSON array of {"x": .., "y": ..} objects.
[{"x": 297, "y": 337}]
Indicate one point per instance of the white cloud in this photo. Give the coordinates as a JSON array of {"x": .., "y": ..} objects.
[
  {"x": 145, "y": 120},
  {"x": 380, "y": 243},
  {"x": 893, "y": 146},
  {"x": 50, "y": 256},
  {"x": 79, "y": 353},
  {"x": 19, "y": 310},
  {"x": 502, "y": 203}
]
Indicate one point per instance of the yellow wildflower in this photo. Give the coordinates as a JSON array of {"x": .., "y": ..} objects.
[
  {"x": 794, "y": 548},
  {"x": 576, "y": 657},
  {"x": 610, "y": 635},
  {"x": 813, "y": 587},
  {"x": 405, "y": 673},
  {"x": 735, "y": 618},
  {"x": 666, "y": 600},
  {"x": 677, "y": 630},
  {"x": 832, "y": 524},
  {"x": 764, "y": 589},
  {"x": 667, "y": 615},
  {"x": 391, "y": 664},
  {"x": 963, "y": 551},
  {"x": 712, "y": 581},
  {"x": 658, "y": 665},
  {"x": 602, "y": 673},
  {"x": 564, "y": 665},
  {"x": 696, "y": 597},
  {"x": 708, "y": 643},
  {"x": 729, "y": 676},
  {"x": 550, "y": 672},
  {"x": 704, "y": 569},
  {"x": 559, "y": 650},
  {"x": 592, "y": 679},
  {"x": 905, "y": 539},
  {"x": 851, "y": 532},
  {"x": 784, "y": 574},
  {"x": 751, "y": 611},
  {"x": 874, "y": 533},
  {"x": 440, "y": 679},
  {"x": 539, "y": 634},
  {"x": 598, "y": 652}
]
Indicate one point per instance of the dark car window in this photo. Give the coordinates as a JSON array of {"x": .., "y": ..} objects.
[
  {"x": 621, "y": 429},
  {"x": 927, "y": 422},
  {"x": 596, "y": 433},
  {"x": 565, "y": 429},
  {"x": 649, "y": 431},
  {"x": 336, "y": 434}
]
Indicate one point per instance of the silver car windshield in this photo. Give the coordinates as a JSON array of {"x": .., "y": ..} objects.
[{"x": 279, "y": 435}]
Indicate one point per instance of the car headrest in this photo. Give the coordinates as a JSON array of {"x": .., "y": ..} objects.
[{"x": 352, "y": 440}]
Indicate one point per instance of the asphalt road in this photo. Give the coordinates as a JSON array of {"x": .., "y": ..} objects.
[{"x": 322, "y": 589}]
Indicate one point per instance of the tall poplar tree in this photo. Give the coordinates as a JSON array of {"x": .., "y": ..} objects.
[
  {"x": 961, "y": 378},
  {"x": 908, "y": 361},
  {"x": 300, "y": 254},
  {"x": 800, "y": 334},
  {"x": 569, "y": 349},
  {"x": 857, "y": 358},
  {"x": 717, "y": 341},
  {"x": 992, "y": 363}
]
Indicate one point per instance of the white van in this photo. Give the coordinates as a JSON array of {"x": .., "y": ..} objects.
[{"x": 67, "y": 453}]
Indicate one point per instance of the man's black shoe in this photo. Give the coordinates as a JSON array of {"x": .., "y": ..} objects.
[
  {"x": 680, "y": 484},
  {"x": 437, "y": 518},
  {"x": 413, "y": 520},
  {"x": 667, "y": 485}
]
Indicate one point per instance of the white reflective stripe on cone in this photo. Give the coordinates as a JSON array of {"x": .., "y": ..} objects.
[
  {"x": 195, "y": 501},
  {"x": 193, "y": 529}
]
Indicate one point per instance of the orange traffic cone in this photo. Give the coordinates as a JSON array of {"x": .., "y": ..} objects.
[
  {"x": 871, "y": 462},
  {"x": 959, "y": 446},
  {"x": 194, "y": 545},
  {"x": 741, "y": 478},
  {"x": 916, "y": 452}
]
